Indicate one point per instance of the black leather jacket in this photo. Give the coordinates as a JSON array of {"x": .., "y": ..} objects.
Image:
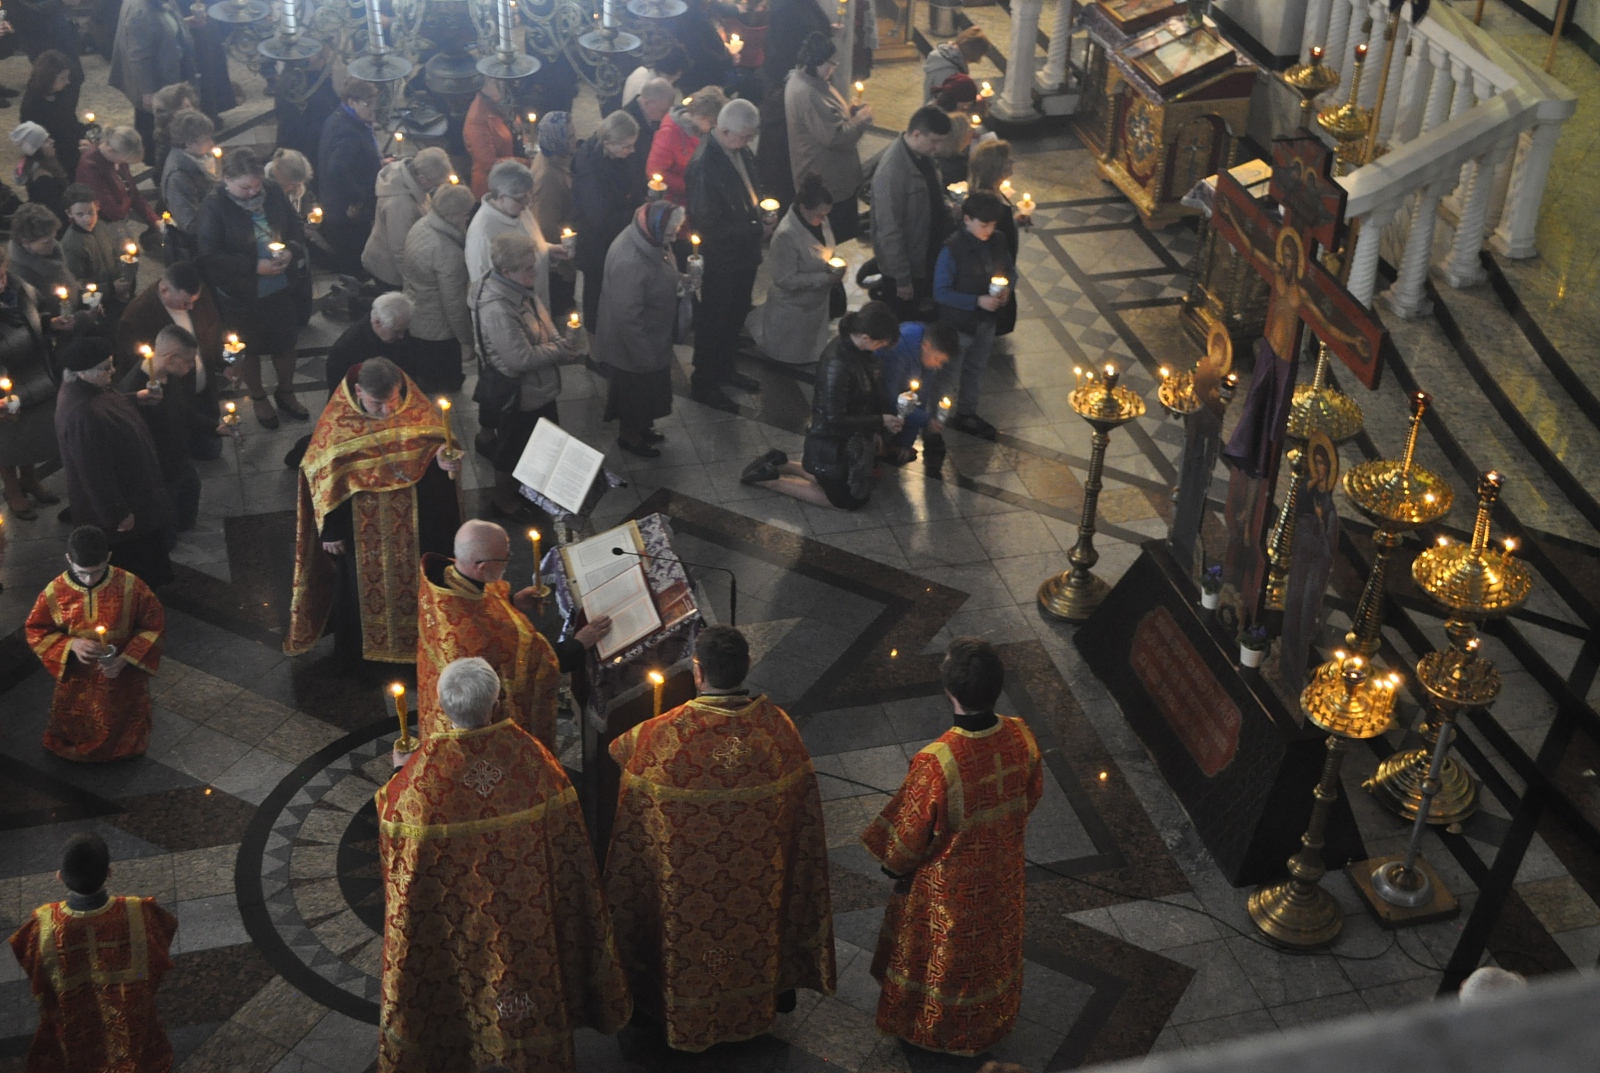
[
  {"x": 227, "y": 240},
  {"x": 845, "y": 404},
  {"x": 25, "y": 351},
  {"x": 728, "y": 220}
]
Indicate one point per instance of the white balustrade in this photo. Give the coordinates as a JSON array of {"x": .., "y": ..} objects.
[
  {"x": 1015, "y": 102},
  {"x": 1470, "y": 130},
  {"x": 1054, "y": 76}
]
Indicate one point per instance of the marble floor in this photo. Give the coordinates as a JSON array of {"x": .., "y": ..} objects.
[{"x": 251, "y": 815}]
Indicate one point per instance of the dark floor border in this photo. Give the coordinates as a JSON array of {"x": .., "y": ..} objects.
[{"x": 1548, "y": 353}]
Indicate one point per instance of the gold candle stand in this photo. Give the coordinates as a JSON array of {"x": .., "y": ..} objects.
[
  {"x": 1397, "y": 495},
  {"x": 1073, "y": 595},
  {"x": 1345, "y": 700},
  {"x": 1311, "y": 80},
  {"x": 1347, "y": 122}
]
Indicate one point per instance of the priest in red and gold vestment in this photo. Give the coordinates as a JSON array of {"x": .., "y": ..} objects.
[
  {"x": 97, "y": 629},
  {"x": 949, "y": 955},
  {"x": 94, "y": 963},
  {"x": 717, "y": 872},
  {"x": 466, "y": 608},
  {"x": 375, "y": 494},
  {"x": 496, "y": 940}
]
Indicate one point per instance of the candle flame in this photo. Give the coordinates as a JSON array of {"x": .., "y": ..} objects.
[
  {"x": 1165, "y": 372},
  {"x": 5, "y": 384},
  {"x": 657, "y": 678},
  {"x": 694, "y": 240},
  {"x": 656, "y": 176},
  {"x": 861, "y": 87},
  {"x": 88, "y": 117},
  {"x": 396, "y": 690},
  {"x": 1361, "y": 51},
  {"x": 915, "y": 384},
  {"x": 91, "y": 287},
  {"x": 101, "y": 630},
  {"x": 1511, "y": 545},
  {"x": 533, "y": 117},
  {"x": 132, "y": 249},
  {"x": 399, "y": 137},
  {"x": 533, "y": 534},
  {"x": 1316, "y": 52},
  {"x": 61, "y": 292},
  {"x": 444, "y": 404},
  {"x": 146, "y": 350},
  {"x": 1111, "y": 370},
  {"x": 230, "y": 407},
  {"x": 216, "y": 151},
  {"x": 567, "y": 232}
]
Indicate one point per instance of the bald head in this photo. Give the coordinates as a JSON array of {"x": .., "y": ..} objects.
[{"x": 482, "y": 549}]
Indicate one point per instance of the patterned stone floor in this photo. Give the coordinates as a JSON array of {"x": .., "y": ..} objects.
[{"x": 250, "y": 814}]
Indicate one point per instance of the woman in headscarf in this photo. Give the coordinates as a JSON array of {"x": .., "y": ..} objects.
[
  {"x": 824, "y": 130},
  {"x": 638, "y": 312},
  {"x": 552, "y": 201}
]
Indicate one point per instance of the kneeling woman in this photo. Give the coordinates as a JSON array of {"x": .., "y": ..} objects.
[{"x": 846, "y": 417}]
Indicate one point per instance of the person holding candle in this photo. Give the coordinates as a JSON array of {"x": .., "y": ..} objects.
[
  {"x": 180, "y": 299},
  {"x": 638, "y": 314},
  {"x": 38, "y": 168},
  {"x": 909, "y": 218},
  {"x": 724, "y": 203},
  {"x": 520, "y": 352},
  {"x": 348, "y": 161},
  {"x": 497, "y": 942},
  {"x": 92, "y": 250},
  {"x": 989, "y": 168},
  {"x": 607, "y": 187},
  {"x": 825, "y": 132},
  {"x": 923, "y": 356},
  {"x": 649, "y": 109},
  {"x": 403, "y": 188},
  {"x": 466, "y": 606},
  {"x": 792, "y": 326},
  {"x": 365, "y": 519},
  {"x": 730, "y": 770},
  {"x": 113, "y": 476},
  {"x": 507, "y": 208},
  {"x": 674, "y": 145},
  {"x": 953, "y": 57},
  {"x": 237, "y": 226},
  {"x": 51, "y": 100},
  {"x": 27, "y": 437},
  {"x": 190, "y": 174},
  {"x": 104, "y": 168},
  {"x": 35, "y": 255},
  {"x": 974, "y": 278},
  {"x": 157, "y": 388}
]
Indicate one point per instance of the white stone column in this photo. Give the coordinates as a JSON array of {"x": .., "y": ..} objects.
[
  {"x": 1353, "y": 37},
  {"x": 1015, "y": 104},
  {"x": 1440, "y": 90},
  {"x": 1315, "y": 31},
  {"x": 1364, "y": 261},
  {"x": 1053, "y": 79},
  {"x": 1462, "y": 268},
  {"x": 1395, "y": 94},
  {"x": 1338, "y": 33},
  {"x": 1413, "y": 92},
  {"x": 1377, "y": 56},
  {"x": 1406, "y": 298},
  {"x": 1531, "y": 170}
]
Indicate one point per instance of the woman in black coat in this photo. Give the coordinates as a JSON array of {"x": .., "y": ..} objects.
[
  {"x": 606, "y": 189},
  {"x": 51, "y": 100},
  {"x": 846, "y": 416},
  {"x": 238, "y": 226},
  {"x": 347, "y": 175}
]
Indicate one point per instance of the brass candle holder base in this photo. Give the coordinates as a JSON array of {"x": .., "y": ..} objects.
[
  {"x": 407, "y": 744},
  {"x": 1397, "y": 786},
  {"x": 1387, "y": 887},
  {"x": 1318, "y": 408},
  {"x": 1072, "y": 597}
]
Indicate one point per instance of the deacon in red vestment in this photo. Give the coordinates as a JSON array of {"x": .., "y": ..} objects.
[
  {"x": 466, "y": 608},
  {"x": 101, "y": 707},
  {"x": 375, "y": 493},
  {"x": 949, "y": 955},
  {"x": 94, "y": 963},
  {"x": 717, "y": 871},
  {"x": 496, "y": 940}
]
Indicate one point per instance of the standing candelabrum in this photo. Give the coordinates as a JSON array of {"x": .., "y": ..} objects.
[
  {"x": 609, "y": 37},
  {"x": 1397, "y": 495},
  {"x": 507, "y": 62},
  {"x": 1350, "y": 702},
  {"x": 1348, "y": 122},
  {"x": 380, "y": 63},
  {"x": 287, "y": 44},
  {"x": 1318, "y": 409},
  {"x": 1311, "y": 80},
  {"x": 1073, "y": 595},
  {"x": 1472, "y": 581}
]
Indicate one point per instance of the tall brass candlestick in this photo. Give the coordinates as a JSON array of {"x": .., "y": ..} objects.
[
  {"x": 450, "y": 450},
  {"x": 1347, "y": 123},
  {"x": 1073, "y": 595},
  {"x": 405, "y": 743},
  {"x": 1311, "y": 80}
]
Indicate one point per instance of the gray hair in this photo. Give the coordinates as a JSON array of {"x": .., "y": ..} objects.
[
  {"x": 474, "y": 536},
  {"x": 289, "y": 166},
  {"x": 512, "y": 251},
  {"x": 432, "y": 165},
  {"x": 1489, "y": 982},
  {"x": 739, "y": 116},
  {"x": 453, "y": 200},
  {"x": 125, "y": 141},
  {"x": 618, "y": 128},
  {"x": 392, "y": 310},
  {"x": 658, "y": 89},
  {"x": 468, "y": 689},
  {"x": 178, "y": 335},
  {"x": 509, "y": 179}
]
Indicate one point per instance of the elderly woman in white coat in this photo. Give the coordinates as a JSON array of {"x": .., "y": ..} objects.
[
  {"x": 638, "y": 311},
  {"x": 403, "y": 188},
  {"x": 824, "y": 130},
  {"x": 792, "y": 324}
]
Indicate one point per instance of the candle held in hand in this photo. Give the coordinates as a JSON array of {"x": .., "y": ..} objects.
[
  {"x": 998, "y": 285},
  {"x": 657, "y": 682},
  {"x": 533, "y": 538},
  {"x": 398, "y": 692}
]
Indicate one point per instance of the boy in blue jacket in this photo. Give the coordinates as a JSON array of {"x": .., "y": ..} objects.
[{"x": 973, "y": 279}]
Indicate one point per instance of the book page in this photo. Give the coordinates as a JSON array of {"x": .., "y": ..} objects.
[
  {"x": 626, "y": 600},
  {"x": 558, "y": 465},
  {"x": 591, "y": 563}
]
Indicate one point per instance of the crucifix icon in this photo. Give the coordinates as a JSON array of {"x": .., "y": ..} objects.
[{"x": 1303, "y": 293}]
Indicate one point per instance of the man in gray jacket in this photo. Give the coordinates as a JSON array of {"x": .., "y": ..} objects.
[
  {"x": 153, "y": 49},
  {"x": 909, "y": 217}
]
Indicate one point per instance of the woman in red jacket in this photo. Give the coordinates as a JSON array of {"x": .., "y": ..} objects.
[
  {"x": 487, "y": 132},
  {"x": 677, "y": 137}
]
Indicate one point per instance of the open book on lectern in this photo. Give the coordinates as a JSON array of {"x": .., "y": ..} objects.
[
  {"x": 558, "y": 466},
  {"x": 605, "y": 583}
]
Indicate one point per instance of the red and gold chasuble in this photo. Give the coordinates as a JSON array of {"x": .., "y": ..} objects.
[
  {"x": 457, "y": 618},
  {"x": 93, "y": 717},
  {"x": 717, "y": 873},
  {"x": 949, "y": 956},
  {"x": 376, "y": 463},
  {"x": 496, "y": 940},
  {"x": 95, "y": 974}
]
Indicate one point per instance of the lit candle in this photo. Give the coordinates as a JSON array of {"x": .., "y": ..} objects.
[
  {"x": 88, "y": 117},
  {"x": 1005, "y": 188},
  {"x": 569, "y": 239},
  {"x": 1317, "y": 53},
  {"x": 231, "y": 417},
  {"x": 836, "y": 262},
  {"x": 146, "y": 351},
  {"x": 398, "y": 692},
  {"x": 1165, "y": 372},
  {"x": 694, "y": 242},
  {"x": 769, "y": 204},
  {"x": 860, "y": 93},
  {"x": 533, "y": 117},
  {"x": 574, "y": 321},
  {"x": 12, "y": 403},
  {"x": 276, "y": 247},
  {"x": 100, "y": 638},
  {"x": 449, "y": 434},
  {"x": 735, "y": 44},
  {"x": 1026, "y": 205},
  {"x": 91, "y": 296},
  {"x": 657, "y": 683},
  {"x": 985, "y": 91},
  {"x": 976, "y": 121},
  {"x": 998, "y": 285},
  {"x": 315, "y": 215},
  {"x": 61, "y": 294},
  {"x": 166, "y": 217},
  {"x": 907, "y": 400},
  {"x": 657, "y": 183},
  {"x": 130, "y": 254},
  {"x": 533, "y": 538},
  {"x": 944, "y": 408},
  {"x": 455, "y": 180},
  {"x": 216, "y": 151}
]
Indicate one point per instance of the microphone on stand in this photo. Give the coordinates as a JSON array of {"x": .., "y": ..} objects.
[{"x": 733, "y": 579}]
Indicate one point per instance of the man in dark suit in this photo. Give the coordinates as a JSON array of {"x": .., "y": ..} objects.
[{"x": 648, "y": 109}]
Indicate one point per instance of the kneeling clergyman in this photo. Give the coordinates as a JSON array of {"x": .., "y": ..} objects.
[
  {"x": 949, "y": 955},
  {"x": 94, "y": 963},
  {"x": 375, "y": 494},
  {"x": 496, "y": 939},
  {"x": 97, "y": 629},
  {"x": 466, "y": 608},
  {"x": 717, "y": 871}
]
